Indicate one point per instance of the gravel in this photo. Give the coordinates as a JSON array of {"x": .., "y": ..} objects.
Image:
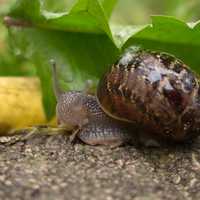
[{"x": 46, "y": 167}]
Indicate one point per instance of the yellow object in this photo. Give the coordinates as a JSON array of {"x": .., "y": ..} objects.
[{"x": 20, "y": 103}]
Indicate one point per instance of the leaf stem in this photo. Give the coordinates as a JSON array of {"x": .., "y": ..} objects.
[{"x": 10, "y": 21}]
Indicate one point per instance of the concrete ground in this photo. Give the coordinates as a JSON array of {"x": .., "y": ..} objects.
[{"x": 51, "y": 168}]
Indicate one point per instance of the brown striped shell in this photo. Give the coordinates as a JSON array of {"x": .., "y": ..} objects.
[{"x": 154, "y": 91}]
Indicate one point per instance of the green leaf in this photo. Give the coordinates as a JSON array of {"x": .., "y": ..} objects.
[
  {"x": 83, "y": 44},
  {"x": 172, "y": 36},
  {"x": 29, "y": 10},
  {"x": 85, "y": 16},
  {"x": 108, "y": 6},
  {"x": 9, "y": 61},
  {"x": 68, "y": 39}
]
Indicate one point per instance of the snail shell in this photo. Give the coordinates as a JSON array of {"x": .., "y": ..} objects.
[{"x": 154, "y": 91}]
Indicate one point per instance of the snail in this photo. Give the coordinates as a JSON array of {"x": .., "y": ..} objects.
[
  {"x": 81, "y": 113},
  {"x": 145, "y": 96}
]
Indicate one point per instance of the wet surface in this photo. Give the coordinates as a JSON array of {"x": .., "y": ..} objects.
[{"x": 49, "y": 167}]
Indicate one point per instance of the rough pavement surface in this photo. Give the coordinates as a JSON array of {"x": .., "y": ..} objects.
[{"x": 50, "y": 168}]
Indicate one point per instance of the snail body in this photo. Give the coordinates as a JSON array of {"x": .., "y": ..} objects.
[
  {"x": 145, "y": 95},
  {"x": 81, "y": 113}
]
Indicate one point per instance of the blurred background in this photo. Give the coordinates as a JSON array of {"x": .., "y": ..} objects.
[
  {"x": 125, "y": 12},
  {"x": 139, "y": 11}
]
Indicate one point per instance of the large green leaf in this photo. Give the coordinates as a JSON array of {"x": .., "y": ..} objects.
[
  {"x": 85, "y": 16},
  {"x": 83, "y": 44},
  {"x": 170, "y": 35},
  {"x": 67, "y": 38},
  {"x": 108, "y": 6}
]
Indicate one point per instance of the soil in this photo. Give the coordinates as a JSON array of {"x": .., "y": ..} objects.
[{"x": 47, "y": 167}]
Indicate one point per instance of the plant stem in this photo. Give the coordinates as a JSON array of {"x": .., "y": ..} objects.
[{"x": 10, "y": 21}]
